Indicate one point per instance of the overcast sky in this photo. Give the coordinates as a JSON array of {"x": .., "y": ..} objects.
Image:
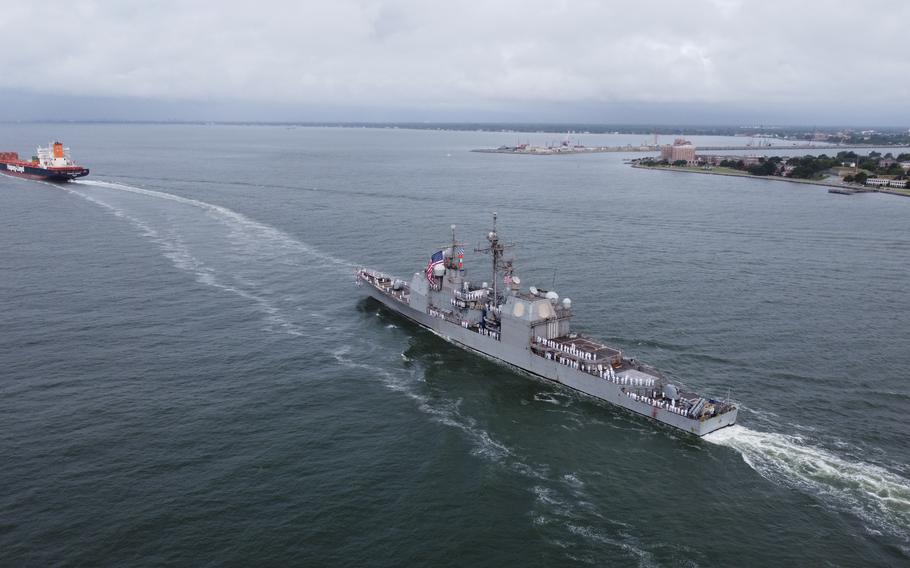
[{"x": 681, "y": 61}]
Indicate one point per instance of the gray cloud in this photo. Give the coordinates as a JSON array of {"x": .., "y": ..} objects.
[{"x": 439, "y": 56}]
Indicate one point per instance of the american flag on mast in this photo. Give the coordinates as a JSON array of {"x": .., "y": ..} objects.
[{"x": 437, "y": 258}]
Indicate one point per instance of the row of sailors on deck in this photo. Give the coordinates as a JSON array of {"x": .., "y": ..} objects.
[
  {"x": 489, "y": 332},
  {"x": 629, "y": 381},
  {"x": 565, "y": 360},
  {"x": 671, "y": 406},
  {"x": 609, "y": 375},
  {"x": 602, "y": 371},
  {"x": 471, "y": 296},
  {"x": 570, "y": 349}
]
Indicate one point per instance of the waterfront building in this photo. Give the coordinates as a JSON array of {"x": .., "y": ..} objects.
[
  {"x": 883, "y": 182},
  {"x": 681, "y": 149},
  {"x": 716, "y": 159}
]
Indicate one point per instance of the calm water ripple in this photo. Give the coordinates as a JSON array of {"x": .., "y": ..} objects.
[{"x": 190, "y": 376}]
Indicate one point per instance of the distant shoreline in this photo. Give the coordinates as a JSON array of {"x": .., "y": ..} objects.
[
  {"x": 778, "y": 134},
  {"x": 823, "y": 183},
  {"x": 572, "y": 150}
]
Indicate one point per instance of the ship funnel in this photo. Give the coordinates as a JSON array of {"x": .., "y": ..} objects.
[{"x": 58, "y": 150}]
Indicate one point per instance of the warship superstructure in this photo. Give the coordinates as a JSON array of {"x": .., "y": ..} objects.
[{"x": 529, "y": 328}]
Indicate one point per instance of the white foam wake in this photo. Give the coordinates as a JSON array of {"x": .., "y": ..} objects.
[
  {"x": 175, "y": 250},
  {"x": 878, "y": 496},
  {"x": 219, "y": 247},
  {"x": 561, "y": 501},
  {"x": 446, "y": 413},
  {"x": 240, "y": 221}
]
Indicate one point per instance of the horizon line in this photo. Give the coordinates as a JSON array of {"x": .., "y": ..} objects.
[{"x": 423, "y": 124}]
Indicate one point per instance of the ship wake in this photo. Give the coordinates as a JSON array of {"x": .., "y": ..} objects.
[
  {"x": 562, "y": 507},
  {"x": 881, "y": 498},
  {"x": 236, "y": 221},
  {"x": 219, "y": 247},
  {"x": 230, "y": 252}
]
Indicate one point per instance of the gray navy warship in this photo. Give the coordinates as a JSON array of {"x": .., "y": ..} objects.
[{"x": 529, "y": 329}]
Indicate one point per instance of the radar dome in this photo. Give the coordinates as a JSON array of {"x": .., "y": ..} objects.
[
  {"x": 516, "y": 280},
  {"x": 553, "y": 297},
  {"x": 671, "y": 392},
  {"x": 534, "y": 291},
  {"x": 566, "y": 303},
  {"x": 439, "y": 270}
]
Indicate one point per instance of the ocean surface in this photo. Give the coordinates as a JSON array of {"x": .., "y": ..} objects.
[{"x": 188, "y": 375}]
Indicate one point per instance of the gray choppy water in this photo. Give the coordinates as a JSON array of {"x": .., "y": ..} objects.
[{"x": 190, "y": 377}]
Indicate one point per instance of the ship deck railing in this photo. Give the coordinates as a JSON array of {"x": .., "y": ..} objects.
[
  {"x": 606, "y": 368},
  {"x": 582, "y": 348},
  {"x": 657, "y": 400},
  {"x": 639, "y": 382},
  {"x": 479, "y": 296},
  {"x": 450, "y": 317},
  {"x": 386, "y": 284},
  {"x": 688, "y": 404}
]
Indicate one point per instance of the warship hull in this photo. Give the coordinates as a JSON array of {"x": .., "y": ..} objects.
[{"x": 524, "y": 359}]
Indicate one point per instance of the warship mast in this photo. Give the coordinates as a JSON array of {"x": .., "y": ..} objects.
[
  {"x": 496, "y": 249},
  {"x": 453, "y": 261}
]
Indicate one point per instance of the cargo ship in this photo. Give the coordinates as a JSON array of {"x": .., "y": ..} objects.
[
  {"x": 528, "y": 329},
  {"x": 50, "y": 163}
]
